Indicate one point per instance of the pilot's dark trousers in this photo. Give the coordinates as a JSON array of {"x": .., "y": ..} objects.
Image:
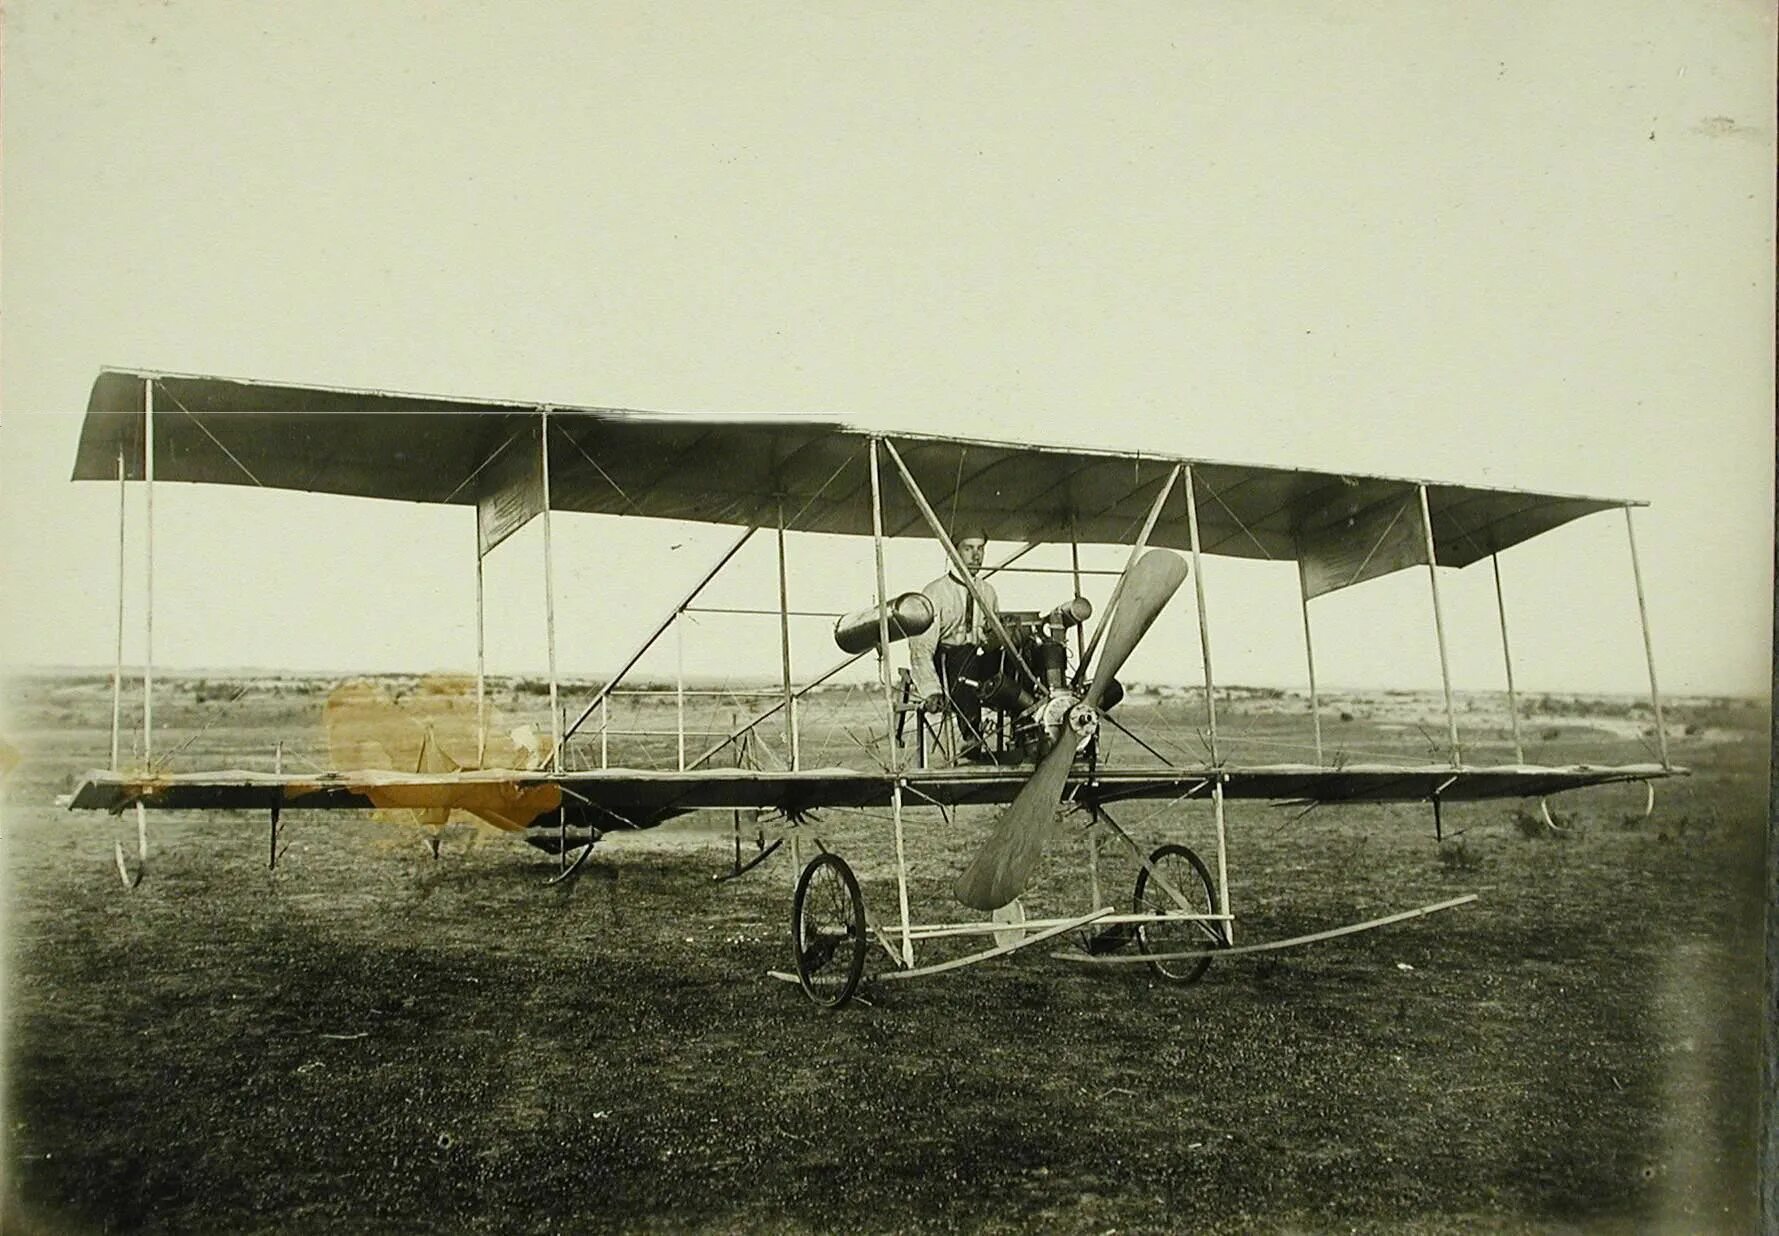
[{"x": 962, "y": 669}]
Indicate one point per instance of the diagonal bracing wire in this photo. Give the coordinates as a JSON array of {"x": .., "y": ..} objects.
[
  {"x": 245, "y": 470},
  {"x": 602, "y": 472}
]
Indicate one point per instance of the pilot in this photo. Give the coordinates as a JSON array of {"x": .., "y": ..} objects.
[{"x": 953, "y": 657}]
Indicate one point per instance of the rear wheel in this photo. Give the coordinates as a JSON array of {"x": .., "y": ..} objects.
[
  {"x": 1185, "y": 872},
  {"x": 828, "y": 931}
]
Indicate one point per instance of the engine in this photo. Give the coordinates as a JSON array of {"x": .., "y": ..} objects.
[{"x": 1034, "y": 719}]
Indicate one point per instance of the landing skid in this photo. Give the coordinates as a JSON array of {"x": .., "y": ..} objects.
[{"x": 1102, "y": 959}]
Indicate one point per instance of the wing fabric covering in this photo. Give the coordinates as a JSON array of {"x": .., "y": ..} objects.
[
  {"x": 735, "y": 471},
  {"x": 434, "y": 730},
  {"x": 1003, "y": 866}
]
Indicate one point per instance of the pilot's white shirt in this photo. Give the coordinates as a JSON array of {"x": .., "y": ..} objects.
[{"x": 950, "y": 607}]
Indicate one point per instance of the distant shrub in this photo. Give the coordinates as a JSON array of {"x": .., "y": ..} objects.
[{"x": 1345, "y": 715}]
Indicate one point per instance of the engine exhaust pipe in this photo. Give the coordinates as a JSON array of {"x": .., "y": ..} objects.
[{"x": 1070, "y": 614}]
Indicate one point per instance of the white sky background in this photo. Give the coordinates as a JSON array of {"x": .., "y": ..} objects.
[{"x": 1523, "y": 244}]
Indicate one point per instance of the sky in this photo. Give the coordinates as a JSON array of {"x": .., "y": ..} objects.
[{"x": 1525, "y": 244}]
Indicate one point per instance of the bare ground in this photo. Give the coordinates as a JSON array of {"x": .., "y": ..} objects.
[{"x": 368, "y": 1040}]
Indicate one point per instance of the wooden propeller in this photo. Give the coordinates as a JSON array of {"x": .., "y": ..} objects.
[{"x": 1001, "y": 869}]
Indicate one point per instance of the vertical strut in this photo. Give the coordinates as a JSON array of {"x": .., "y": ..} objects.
[
  {"x": 1445, "y": 669},
  {"x": 1513, "y": 704},
  {"x": 1222, "y": 861},
  {"x": 1309, "y": 654},
  {"x": 550, "y": 596},
  {"x": 117, "y": 673},
  {"x": 784, "y": 647},
  {"x": 1204, "y": 627},
  {"x": 148, "y": 604},
  {"x": 1093, "y": 860},
  {"x": 481, "y": 659},
  {"x": 1075, "y": 574},
  {"x": 889, "y": 702},
  {"x": 679, "y": 684},
  {"x": 883, "y": 641},
  {"x": 1655, "y": 692},
  {"x": 902, "y": 877}
]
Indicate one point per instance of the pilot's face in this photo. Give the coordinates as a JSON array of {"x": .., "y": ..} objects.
[{"x": 971, "y": 549}]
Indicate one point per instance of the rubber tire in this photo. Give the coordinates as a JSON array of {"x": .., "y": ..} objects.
[
  {"x": 855, "y": 965},
  {"x": 1194, "y": 970}
]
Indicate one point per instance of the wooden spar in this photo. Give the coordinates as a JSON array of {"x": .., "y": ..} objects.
[
  {"x": 1008, "y": 644},
  {"x": 784, "y": 650},
  {"x": 660, "y": 628},
  {"x": 1136, "y": 551},
  {"x": 117, "y": 673},
  {"x": 549, "y": 593},
  {"x": 1032, "y": 570},
  {"x": 1204, "y": 624},
  {"x": 148, "y": 601},
  {"x": 605, "y": 727},
  {"x": 481, "y": 658},
  {"x": 1309, "y": 654},
  {"x": 1655, "y": 692},
  {"x": 1445, "y": 669},
  {"x": 829, "y": 614},
  {"x": 1513, "y": 706}
]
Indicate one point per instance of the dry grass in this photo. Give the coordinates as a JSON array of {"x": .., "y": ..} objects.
[{"x": 368, "y": 1040}]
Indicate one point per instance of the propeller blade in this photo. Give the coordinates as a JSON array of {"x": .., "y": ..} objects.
[
  {"x": 1148, "y": 586},
  {"x": 1002, "y": 867}
]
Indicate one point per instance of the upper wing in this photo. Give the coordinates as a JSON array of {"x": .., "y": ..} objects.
[{"x": 1339, "y": 528}]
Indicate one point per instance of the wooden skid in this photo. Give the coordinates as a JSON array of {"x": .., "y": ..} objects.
[
  {"x": 1142, "y": 959},
  {"x": 957, "y": 963}
]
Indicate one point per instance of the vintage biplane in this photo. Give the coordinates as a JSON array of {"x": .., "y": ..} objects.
[{"x": 1052, "y": 704}]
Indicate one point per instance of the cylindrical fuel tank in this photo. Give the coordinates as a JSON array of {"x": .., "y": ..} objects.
[{"x": 909, "y": 614}]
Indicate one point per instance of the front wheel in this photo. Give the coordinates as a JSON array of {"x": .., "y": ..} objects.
[
  {"x": 828, "y": 931},
  {"x": 1185, "y": 872}
]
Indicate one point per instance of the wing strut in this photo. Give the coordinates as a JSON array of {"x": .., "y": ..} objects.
[{"x": 630, "y": 663}]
